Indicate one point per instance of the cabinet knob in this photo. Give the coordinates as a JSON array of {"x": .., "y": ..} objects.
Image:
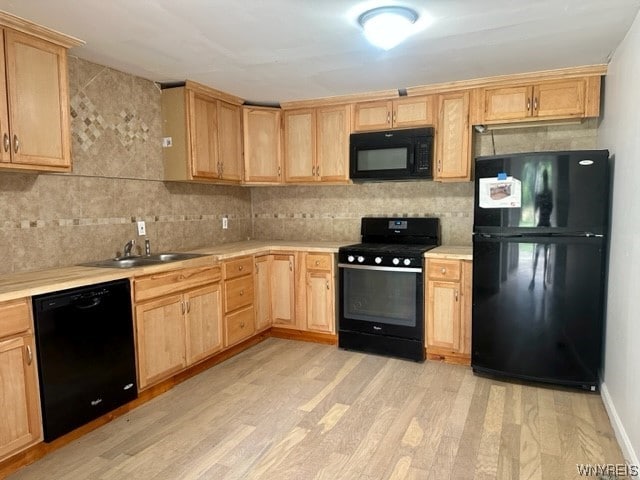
[
  {"x": 317, "y": 263},
  {"x": 241, "y": 292},
  {"x": 443, "y": 270},
  {"x": 240, "y": 268},
  {"x": 241, "y": 324},
  {"x": 328, "y": 288}
]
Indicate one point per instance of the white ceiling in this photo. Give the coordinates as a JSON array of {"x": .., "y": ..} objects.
[{"x": 277, "y": 50}]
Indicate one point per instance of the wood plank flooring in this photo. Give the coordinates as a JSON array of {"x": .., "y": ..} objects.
[{"x": 294, "y": 410}]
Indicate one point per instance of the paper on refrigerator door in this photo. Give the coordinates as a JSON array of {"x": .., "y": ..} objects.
[{"x": 496, "y": 193}]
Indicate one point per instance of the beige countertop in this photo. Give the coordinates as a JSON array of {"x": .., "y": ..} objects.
[
  {"x": 26, "y": 284},
  {"x": 451, "y": 252}
]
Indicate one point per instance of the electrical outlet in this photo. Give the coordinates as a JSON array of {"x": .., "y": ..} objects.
[
  {"x": 167, "y": 142},
  {"x": 142, "y": 228},
  {"x": 225, "y": 223}
]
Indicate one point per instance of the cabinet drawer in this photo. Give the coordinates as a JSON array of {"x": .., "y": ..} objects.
[
  {"x": 164, "y": 283},
  {"x": 238, "y": 326},
  {"x": 443, "y": 269},
  {"x": 319, "y": 261},
  {"x": 238, "y": 292},
  {"x": 15, "y": 317},
  {"x": 236, "y": 268}
]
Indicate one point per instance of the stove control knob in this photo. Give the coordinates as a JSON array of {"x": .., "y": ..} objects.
[
  {"x": 350, "y": 258},
  {"x": 407, "y": 261},
  {"x": 378, "y": 260},
  {"x": 360, "y": 259},
  {"x": 395, "y": 261}
]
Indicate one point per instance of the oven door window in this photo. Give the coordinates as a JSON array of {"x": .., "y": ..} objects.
[{"x": 381, "y": 297}]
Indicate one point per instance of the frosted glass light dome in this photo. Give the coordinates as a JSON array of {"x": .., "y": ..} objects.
[{"x": 387, "y": 27}]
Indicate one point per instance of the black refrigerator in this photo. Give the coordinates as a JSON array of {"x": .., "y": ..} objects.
[{"x": 539, "y": 266}]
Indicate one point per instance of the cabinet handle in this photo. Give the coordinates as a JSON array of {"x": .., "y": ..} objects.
[
  {"x": 395, "y": 117},
  {"x": 388, "y": 117},
  {"x": 535, "y": 103},
  {"x": 313, "y": 171},
  {"x": 29, "y": 355},
  {"x": 241, "y": 324},
  {"x": 240, "y": 268},
  {"x": 328, "y": 288},
  {"x": 318, "y": 170},
  {"x": 241, "y": 292},
  {"x": 182, "y": 307},
  {"x": 456, "y": 295},
  {"x": 257, "y": 268},
  {"x": 188, "y": 306},
  {"x": 6, "y": 142},
  {"x": 528, "y": 104},
  {"x": 290, "y": 266},
  {"x": 16, "y": 143},
  {"x": 279, "y": 171},
  {"x": 443, "y": 270},
  {"x": 317, "y": 263}
]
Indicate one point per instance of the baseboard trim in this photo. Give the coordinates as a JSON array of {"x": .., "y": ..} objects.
[
  {"x": 303, "y": 335},
  {"x": 629, "y": 454}
]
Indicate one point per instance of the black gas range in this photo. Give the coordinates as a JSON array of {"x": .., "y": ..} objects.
[{"x": 381, "y": 297}]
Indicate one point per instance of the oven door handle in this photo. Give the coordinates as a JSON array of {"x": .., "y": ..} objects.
[{"x": 380, "y": 269}]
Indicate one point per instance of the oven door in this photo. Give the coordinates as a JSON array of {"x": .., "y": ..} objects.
[{"x": 382, "y": 300}]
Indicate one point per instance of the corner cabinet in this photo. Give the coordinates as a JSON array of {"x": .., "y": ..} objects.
[
  {"x": 316, "y": 144},
  {"x": 202, "y": 128},
  {"x": 35, "y": 132},
  {"x": 20, "y": 423},
  {"x": 262, "y": 145},
  {"x": 448, "y": 310},
  {"x": 558, "y": 99},
  {"x": 178, "y": 321},
  {"x": 453, "y": 137}
]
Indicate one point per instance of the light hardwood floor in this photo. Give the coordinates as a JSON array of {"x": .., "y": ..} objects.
[{"x": 293, "y": 410}]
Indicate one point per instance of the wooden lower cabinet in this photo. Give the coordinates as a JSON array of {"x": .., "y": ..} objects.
[
  {"x": 262, "y": 292},
  {"x": 20, "y": 421},
  {"x": 283, "y": 311},
  {"x": 178, "y": 330},
  {"x": 239, "y": 297},
  {"x": 239, "y": 326},
  {"x": 320, "y": 293},
  {"x": 448, "y": 310},
  {"x": 20, "y": 424}
]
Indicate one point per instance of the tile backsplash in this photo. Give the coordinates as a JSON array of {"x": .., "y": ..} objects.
[{"x": 50, "y": 220}]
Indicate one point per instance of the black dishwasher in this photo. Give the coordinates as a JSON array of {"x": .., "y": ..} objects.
[{"x": 85, "y": 351}]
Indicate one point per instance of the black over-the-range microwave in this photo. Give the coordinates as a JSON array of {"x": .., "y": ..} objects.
[{"x": 391, "y": 155}]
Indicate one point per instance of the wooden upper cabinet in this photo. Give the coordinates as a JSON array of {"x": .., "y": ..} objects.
[
  {"x": 262, "y": 145},
  {"x": 316, "y": 144},
  {"x": 453, "y": 137},
  {"x": 399, "y": 113},
  {"x": 300, "y": 145},
  {"x": 558, "y": 99},
  {"x": 205, "y": 134},
  {"x": 230, "y": 141},
  {"x": 34, "y": 113}
]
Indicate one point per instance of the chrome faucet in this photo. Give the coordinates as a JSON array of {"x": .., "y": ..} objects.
[{"x": 126, "y": 251}]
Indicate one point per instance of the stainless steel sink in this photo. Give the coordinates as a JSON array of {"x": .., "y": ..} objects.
[{"x": 130, "y": 262}]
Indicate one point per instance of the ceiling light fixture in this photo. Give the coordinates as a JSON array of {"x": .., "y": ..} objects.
[{"x": 386, "y": 27}]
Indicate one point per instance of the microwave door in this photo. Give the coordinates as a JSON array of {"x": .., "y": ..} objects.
[{"x": 383, "y": 162}]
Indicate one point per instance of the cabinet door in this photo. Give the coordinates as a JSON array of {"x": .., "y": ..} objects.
[
  {"x": 160, "y": 335},
  {"x": 204, "y": 322},
  {"x": 38, "y": 97},
  {"x": 507, "y": 103},
  {"x": 413, "y": 112},
  {"x": 443, "y": 315},
  {"x": 372, "y": 115},
  {"x": 320, "y": 301},
  {"x": 333, "y": 129},
  {"x": 453, "y": 153},
  {"x": 230, "y": 141},
  {"x": 559, "y": 99},
  {"x": 262, "y": 292},
  {"x": 203, "y": 136},
  {"x": 5, "y": 150},
  {"x": 262, "y": 150},
  {"x": 19, "y": 400},
  {"x": 283, "y": 291},
  {"x": 300, "y": 145}
]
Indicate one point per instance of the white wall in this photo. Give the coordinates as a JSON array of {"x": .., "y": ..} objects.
[{"x": 620, "y": 133}]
